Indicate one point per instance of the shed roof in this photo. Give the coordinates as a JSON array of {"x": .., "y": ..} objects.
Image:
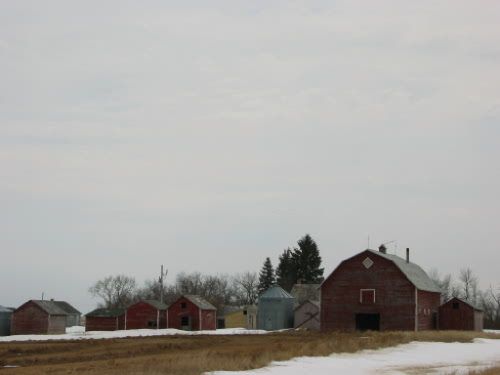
[
  {"x": 412, "y": 271},
  {"x": 50, "y": 307},
  {"x": 475, "y": 307},
  {"x": 276, "y": 292},
  {"x": 105, "y": 313},
  {"x": 65, "y": 306},
  {"x": 156, "y": 304},
  {"x": 5, "y": 309},
  {"x": 200, "y": 302},
  {"x": 304, "y": 292}
]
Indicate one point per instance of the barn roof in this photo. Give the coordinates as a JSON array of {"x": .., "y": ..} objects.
[
  {"x": 276, "y": 292},
  {"x": 156, "y": 304},
  {"x": 413, "y": 272},
  {"x": 65, "y": 306},
  {"x": 105, "y": 313},
  {"x": 304, "y": 292},
  {"x": 200, "y": 302},
  {"x": 50, "y": 307}
]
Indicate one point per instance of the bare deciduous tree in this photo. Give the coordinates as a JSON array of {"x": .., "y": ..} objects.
[
  {"x": 468, "y": 284},
  {"x": 246, "y": 288},
  {"x": 115, "y": 291}
]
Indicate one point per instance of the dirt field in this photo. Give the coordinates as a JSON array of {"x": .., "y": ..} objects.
[{"x": 194, "y": 354}]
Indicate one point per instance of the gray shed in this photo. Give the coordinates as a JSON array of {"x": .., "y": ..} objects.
[
  {"x": 275, "y": 309},
  {"x": 73, "y": 315},
  {"x": 5, "y": 318}
]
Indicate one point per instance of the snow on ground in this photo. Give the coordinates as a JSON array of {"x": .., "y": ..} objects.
[
  {"x": 427, "y": 357},
  {"x": 78, "y": 333}
]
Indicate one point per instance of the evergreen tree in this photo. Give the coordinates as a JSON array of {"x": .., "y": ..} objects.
[
  {"x": 266, "y": 276},
  {"x": 307, "y": 261},
  {"x": 286, "y": 272}
]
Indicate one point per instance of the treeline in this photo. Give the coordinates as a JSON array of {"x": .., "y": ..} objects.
[
  {"x": 466, "y": 287},
  {"x": 300, "y": 264}
]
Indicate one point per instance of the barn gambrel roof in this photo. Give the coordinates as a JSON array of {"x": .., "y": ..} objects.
[{"x": 412, "y": 271}]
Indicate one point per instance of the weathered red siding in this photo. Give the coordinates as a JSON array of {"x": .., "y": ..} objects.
[
  {"x": 463, "y": 318},
  {"x": 104, "y": 323},
  {"x": 428, "y": 306},
  {"x": 143, "y": 315},
  {"x": 176, "y": 312},
  {"x": 394, "y": 295},
  {"x": 31, "y": 319}
]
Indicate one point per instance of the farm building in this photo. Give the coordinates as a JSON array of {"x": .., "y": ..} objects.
[
  {"x": 38, "y": 317},
  {"x": 457, "y": 314},
  {"x": 275, "y": 309},
  {"x": 305, "y": 292},
  {"x": 192, "y": 313},
  {"x": 374, "y": 290},
  {"x": 5, "y": 320},
  {"x": 146, "y": 314},
  {"x": 73, "y": 315},
  {"x": 238, "y": 317},
  {"x": 105, "y": 320},
  {"x": 306, "y": 315}
]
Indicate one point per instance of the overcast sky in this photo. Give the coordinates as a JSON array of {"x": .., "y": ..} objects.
[{"x": 209, "y": 135}]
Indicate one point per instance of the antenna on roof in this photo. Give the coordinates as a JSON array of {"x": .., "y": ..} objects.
[{"x": 368, "y": 242}]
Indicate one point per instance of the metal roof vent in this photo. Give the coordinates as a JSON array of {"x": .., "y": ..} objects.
[{"x": 382, "y": 249}]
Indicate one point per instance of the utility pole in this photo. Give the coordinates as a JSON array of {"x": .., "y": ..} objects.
[{"x": 160, "y": 280}]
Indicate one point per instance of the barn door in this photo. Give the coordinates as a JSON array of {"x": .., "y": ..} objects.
[{"x": 368, "y": 322}]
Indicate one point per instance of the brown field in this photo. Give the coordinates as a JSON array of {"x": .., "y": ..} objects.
[{"x": 189, "y": 355}]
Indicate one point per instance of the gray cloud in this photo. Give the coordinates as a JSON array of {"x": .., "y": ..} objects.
[{"x": 209, "y": 137}]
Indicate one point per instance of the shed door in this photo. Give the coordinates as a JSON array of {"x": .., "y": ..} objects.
[{"x": 365, "y": 322}]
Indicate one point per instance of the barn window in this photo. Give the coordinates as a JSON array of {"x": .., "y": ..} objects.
[
  {"x": 367, "y": 263},
  {"x": 184, "y": 321},
  {"x": 456, "y": 306},
  {"x": 367, "y": 296},
  {"x": 244, "y": 312},
  {"x": 183, "y": 305},
  {"x": 151, "y": 324}
]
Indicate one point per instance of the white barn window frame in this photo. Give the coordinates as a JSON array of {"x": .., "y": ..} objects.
[{"x": 367, "y": 290}]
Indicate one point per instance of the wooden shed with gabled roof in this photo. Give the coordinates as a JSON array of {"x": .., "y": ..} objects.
[
  {"x": 192, "y": 313},
  {"x": 146, "y": 314},
  {"x": 73, "y": 315},
  {"x": 374, "y": 290},
  {"x": 103, "y": 319},
  {"x": 38, "y": 317},
  {"x": 457, "y": 314}
]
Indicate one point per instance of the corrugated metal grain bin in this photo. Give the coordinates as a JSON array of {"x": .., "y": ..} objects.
[
  {"x": 5, "y": 319},
  {"x": 275, "y": 309}
]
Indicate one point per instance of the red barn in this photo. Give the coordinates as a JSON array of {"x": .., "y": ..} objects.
[
  {"x": 374, "y": 290},
  {"x": 38, "y": 317},
  {"x": 146, "y": 314},
  {"x": 460, "y": 315},
  {"x": 105, "y": 320},
  {"x": 192, "y": 313}
]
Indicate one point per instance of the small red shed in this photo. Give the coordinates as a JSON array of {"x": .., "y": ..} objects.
[
  {"x": 146, "y": 314},
  {"x": 374, "y": 290},
  {"x": 457, "y": 314},
  {"x": 192, "y": 313},
  {"x": 38, "y": 317},
  {"x": 105, "y": 320}
]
